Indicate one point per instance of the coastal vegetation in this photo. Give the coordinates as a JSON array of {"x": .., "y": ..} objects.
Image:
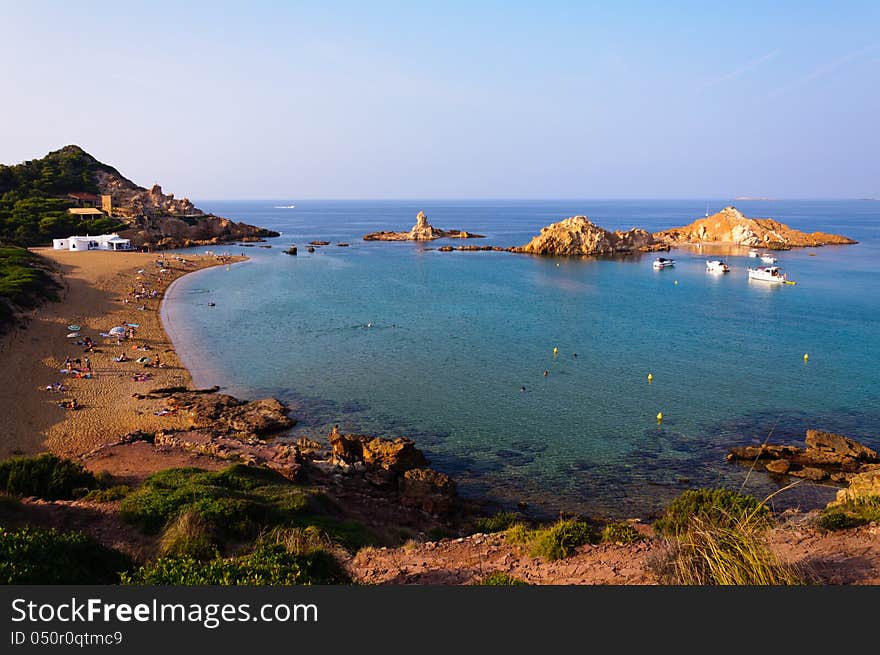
[
  {"x": 25, "y": 282},
  {"x": 716, "y": 507},
  {"x": 35, "y": 556},
  {"x": 497, "y": 522},
  {"x": 620, "y": 533},
  {"x": 851, "y": 513},
  {"x": 33, "y": 197},
  {"x": 502, "y": 579},
  {"x": 716, "y": 537},
  {"x": 552, "y": 542},
  {"x": 267, "y": 565},
  {"x": 237, "y": 503},
  {"x": 45, "y": 476}
]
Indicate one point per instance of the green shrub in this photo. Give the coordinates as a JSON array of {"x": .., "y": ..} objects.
[
  {"x": 553, "y": 542},
  {"x": 851, "y": 514},
  {"x": 496, "y": 523},
  {"x": 45, "y": 476},
  {"x": 107, "y": 495},
  {"x": 620, "y": 533},
  {"x": 267, "y": 565},
  {"x": 299, "y": 541},
  {"x": 32, "y": 556},
  {"x": 188, "y": 535},
  {"x": 237, "y": 503},
  {"x": 715, "y": 506},
  {"x": 502, "y": 579},
  {"x": 729, "y": 554}
]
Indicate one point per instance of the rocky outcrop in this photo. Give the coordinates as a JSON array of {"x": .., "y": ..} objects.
[
  {"x": 827, "y": 456},
  {"x": 421, "y": 231},
  {"x": 225, "y": 414},
  {"x": 427, "y": 489},
  {"x": 395, "y": 466},
  {"x": 730, "y": 226},
  {"x": 283, "y": 458},
  {"x": 159, "y": 220},
  {"x": 861, "y": 486},
  {"x": 394, "y": 455},
  {"x": 579, "y": 236}
]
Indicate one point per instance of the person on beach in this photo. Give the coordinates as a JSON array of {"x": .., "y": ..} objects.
[{"x": 87, "y": 364}]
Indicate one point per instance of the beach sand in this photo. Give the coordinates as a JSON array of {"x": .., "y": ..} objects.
[{"x": 96, "y": 286}]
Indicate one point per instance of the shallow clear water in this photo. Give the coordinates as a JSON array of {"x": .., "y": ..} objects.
[{"x": 399, "y": 339}]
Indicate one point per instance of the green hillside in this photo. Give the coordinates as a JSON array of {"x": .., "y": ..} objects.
[{"x": 33, "y": 197}]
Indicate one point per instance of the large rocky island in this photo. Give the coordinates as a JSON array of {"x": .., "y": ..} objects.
[
  {"x": 731, "y": 226},
  {"x": 421, "y": 231},
  {"x": 577, "y": 235},
  {"x": 70, "y": 192}
]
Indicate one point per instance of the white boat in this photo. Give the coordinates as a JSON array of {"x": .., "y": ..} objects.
[
  {"x": 717, "y": 266},
  {"x": 663, "y": 262},
  {"x": 768, "y": 259},
  {"x": 767, "y": 274},
  {"x": 754, "y": 253}
]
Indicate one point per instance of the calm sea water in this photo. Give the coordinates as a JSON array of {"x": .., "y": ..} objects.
[{"x": 399, "y": 339}]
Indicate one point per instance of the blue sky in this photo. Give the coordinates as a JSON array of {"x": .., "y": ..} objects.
[{"x": 454, "y": 99}]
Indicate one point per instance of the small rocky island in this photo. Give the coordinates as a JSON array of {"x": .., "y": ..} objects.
[
  {"x": 731, "y": 226},
  {"x": 577, "y": 235},
  {"x": 421, "y": 231}
]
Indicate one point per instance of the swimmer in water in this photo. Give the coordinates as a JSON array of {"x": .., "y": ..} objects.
[
  {"x": 546, "y": 373},
  {"x": 522, "y": 388}
]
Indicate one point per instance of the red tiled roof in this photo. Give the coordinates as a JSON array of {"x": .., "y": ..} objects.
[{"x": 82, "y": 195}]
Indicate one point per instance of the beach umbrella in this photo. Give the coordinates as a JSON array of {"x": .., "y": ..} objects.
[
  {"x": 116, "y": 330},
  {"x": 73, "y": 327}
]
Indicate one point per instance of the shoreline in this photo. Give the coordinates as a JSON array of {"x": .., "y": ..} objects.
[{"x": 96, "y": 287}]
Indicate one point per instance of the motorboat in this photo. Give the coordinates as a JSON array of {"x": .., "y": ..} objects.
[
  {"x": 717, "y": 266},
  {"x": 767, "y": 274},
  {"x": 663, "y": 262},
  {"x": 754, "y": 253},
  {"x": 768, "y": 259}
]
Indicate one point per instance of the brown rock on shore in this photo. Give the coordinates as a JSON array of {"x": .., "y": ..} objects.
[
  {"x": 733, "y": 227},
  {"x": 827, "y": 455}
]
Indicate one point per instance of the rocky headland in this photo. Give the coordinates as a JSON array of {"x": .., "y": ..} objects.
[
  {"x": 421, "y": 231},
  {"x": 577, "y": 235},
  {"x": 730, "y": 226}
]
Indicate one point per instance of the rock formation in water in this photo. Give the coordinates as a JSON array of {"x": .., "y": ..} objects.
[
  {"x": 731, "y": 226},
  {"x": 827, "y": 456},
  {"x": 421, "y": 231},
  {"x": 578, "y": 236}
]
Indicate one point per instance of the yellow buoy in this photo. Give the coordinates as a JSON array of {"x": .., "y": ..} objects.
[
  {"x": 806, "y": 357},
  {"x": 555, "y": 351},
  {"x": 650, "y": 377},
  {"x": 659, "y": 417}
]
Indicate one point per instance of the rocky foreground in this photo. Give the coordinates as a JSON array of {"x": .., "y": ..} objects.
[
  {"x": 421, "y": 231},
  {"x": 730, "y": 226}
]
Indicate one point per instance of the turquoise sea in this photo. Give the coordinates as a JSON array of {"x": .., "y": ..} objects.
[{"x": 400, "y": 339}]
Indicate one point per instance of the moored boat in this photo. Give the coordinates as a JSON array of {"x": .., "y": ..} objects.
[
  {"x": 663, "y": 262},
  {"x": 717, "y": 266},
  {"x": 754, "y": 253},
  {"x": 767, "y": 274},
  {"x": 768, "y": 259}
]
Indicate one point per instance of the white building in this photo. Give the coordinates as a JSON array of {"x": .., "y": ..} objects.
[{"x": 100, "y": 242}]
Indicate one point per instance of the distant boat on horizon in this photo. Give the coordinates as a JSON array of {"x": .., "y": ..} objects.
[{"x": 284, "y": 206}]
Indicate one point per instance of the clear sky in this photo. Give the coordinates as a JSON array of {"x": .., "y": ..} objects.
[{"x": 374, "y": 99}]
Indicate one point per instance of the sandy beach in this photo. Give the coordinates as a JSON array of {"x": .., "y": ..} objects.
[{"x": 98, "y": 293}]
